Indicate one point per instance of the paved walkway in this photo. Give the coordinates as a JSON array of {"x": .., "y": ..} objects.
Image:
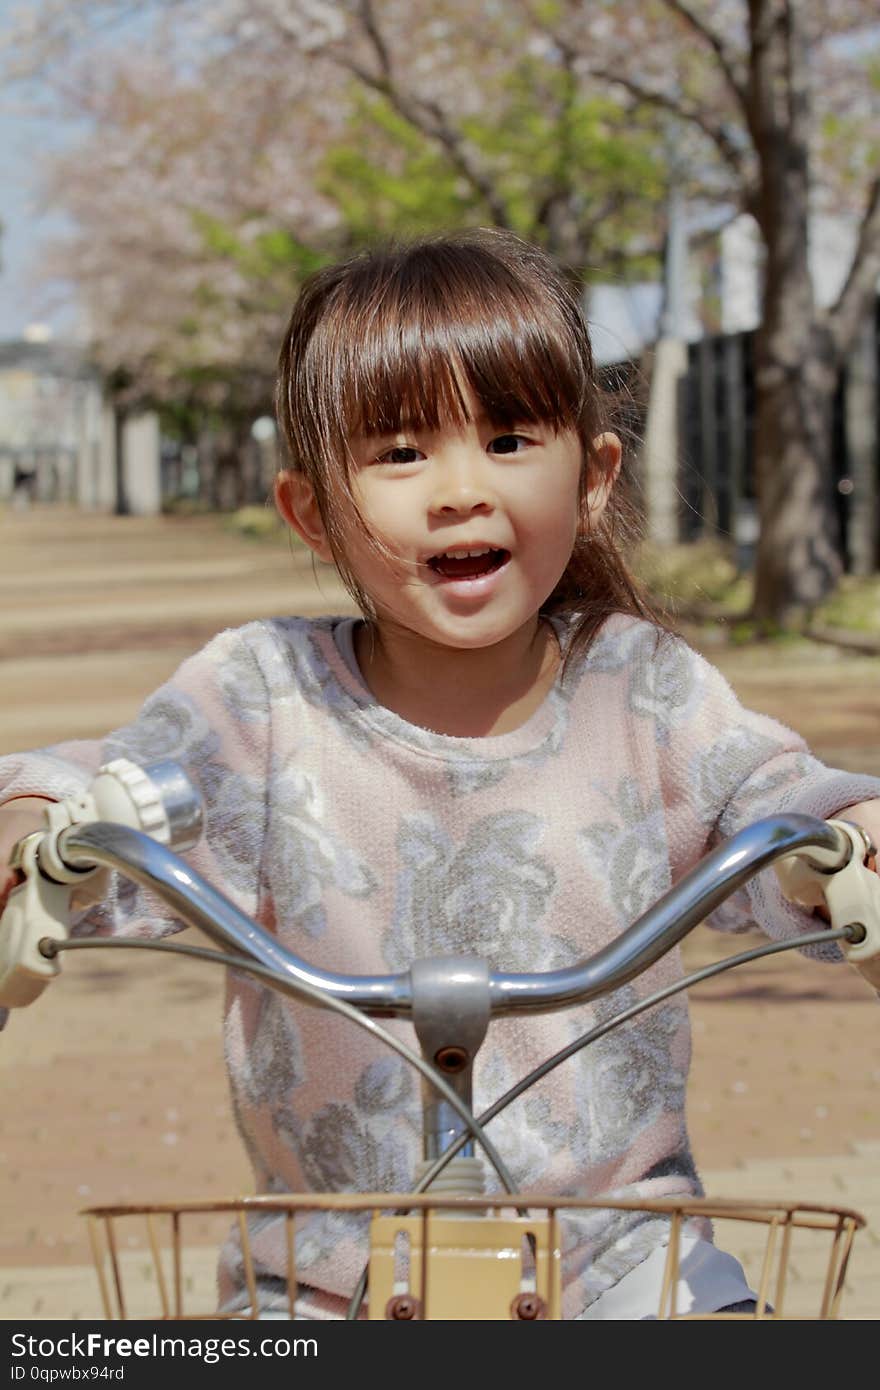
[{"x": 113, "y": 1085}]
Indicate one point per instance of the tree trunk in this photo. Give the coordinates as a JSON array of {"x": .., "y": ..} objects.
[
  {"x": 863, "y": 439},
  {"x": 798, "y": 556},
  {"x": 121, "y": 505},
  {"x": 798, "y": 560}
]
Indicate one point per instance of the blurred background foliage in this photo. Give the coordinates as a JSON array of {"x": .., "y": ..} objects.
[{"x": 219, "y": 154}]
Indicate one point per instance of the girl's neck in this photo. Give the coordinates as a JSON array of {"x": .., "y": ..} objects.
[{"x": 466, "y": 693}]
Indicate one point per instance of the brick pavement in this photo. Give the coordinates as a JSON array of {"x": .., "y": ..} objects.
[{"x": 129, "y": 1098}]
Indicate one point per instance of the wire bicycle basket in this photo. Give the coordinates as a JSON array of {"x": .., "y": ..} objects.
[{"x": 460, "y": 1258}]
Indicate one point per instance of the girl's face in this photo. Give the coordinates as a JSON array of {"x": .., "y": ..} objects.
[{"x": 479, "y": 524}]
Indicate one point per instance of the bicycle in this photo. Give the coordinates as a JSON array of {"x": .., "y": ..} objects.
[{"x": 136, "y": 821}]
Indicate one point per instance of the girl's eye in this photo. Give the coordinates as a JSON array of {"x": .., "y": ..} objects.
[
  {"x": 400, "y": 453},
  {"x": 508, "y": 444}
]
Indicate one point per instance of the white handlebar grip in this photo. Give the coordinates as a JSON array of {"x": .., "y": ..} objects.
[
  {"x": 124, "y": 793},
  {"x": 800, "y": 882},
  {"x": 158, "y": 801},
  {"x": 121, "y": 792},
  {"x": 38, "y": 908},
  {"x": 851, "y": 894}
]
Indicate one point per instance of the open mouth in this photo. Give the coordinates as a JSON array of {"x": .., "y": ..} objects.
[{"x": 471, "y": 564}]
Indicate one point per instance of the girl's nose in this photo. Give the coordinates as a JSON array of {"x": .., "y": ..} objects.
[{"x": 461, "y": 488}]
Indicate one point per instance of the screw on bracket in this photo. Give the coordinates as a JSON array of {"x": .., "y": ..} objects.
[
  {"x": 403, "y": 1307},
  {"x": 451, "y": 1058},
  {"x": 528, "y": 1307}
]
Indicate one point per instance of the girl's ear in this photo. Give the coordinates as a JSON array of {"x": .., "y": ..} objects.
[
  {"x": 296, "y": 501},
  {"x": 606, "y": 452}
]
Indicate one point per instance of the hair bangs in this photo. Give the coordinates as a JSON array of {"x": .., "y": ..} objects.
[
  {"x": 518, "y": 374},
  {"x": 442, "y": 328},
  {"x": 395, "y": 381}
]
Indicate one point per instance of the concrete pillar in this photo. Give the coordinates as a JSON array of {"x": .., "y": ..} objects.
[
  {"x": 661, "y": 452},
  {"x": 141, "y": 446},
  {"x": 88, "y": 429}
]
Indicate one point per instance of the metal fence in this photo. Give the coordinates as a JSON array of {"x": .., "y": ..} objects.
[{"x": 717, "y": 416}]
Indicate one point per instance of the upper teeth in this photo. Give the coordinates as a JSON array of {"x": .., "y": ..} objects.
[{"x": 461, "y": 554}]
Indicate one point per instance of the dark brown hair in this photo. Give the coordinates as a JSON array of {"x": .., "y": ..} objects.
[{"x": 382, "y": 342}]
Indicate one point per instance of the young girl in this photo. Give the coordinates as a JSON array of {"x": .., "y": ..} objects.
[{"x": 506, "y": 756}]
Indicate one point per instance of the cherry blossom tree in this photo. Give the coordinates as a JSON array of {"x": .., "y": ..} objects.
[
  {"x": 216, "y": 168},
  {"x": 774, "y": 106},
  {"x": 512, "y": 115},
  {"x": 188, "y": 226},
  {"x": 777, "y": 103}
]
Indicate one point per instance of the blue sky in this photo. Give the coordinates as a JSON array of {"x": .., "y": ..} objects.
[
  {"x": 23, "y": 139},
  {"x": 21, "y": 302}
]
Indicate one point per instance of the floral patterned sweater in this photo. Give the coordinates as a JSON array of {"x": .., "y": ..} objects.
[{"x": 364, "y": 842}]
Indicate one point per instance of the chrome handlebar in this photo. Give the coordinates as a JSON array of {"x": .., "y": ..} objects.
[{"x": 698, "y": 893}]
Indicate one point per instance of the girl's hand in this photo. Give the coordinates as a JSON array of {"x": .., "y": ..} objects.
[
  {"x": 18, "y": 818},
  {"x": 867, "y": 815}
]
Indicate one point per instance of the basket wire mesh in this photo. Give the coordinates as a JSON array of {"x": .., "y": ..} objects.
[{"x": 158, "y": 1274}]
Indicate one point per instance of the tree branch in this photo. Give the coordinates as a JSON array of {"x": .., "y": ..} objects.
[
  {"x": 715, "y": 132},
  {"x": 760, "y": 109},
  {"x": 692, "y": 115},
  {"x": 857, "y": 294},
  {"x": 724, "y": 56},
  {"x": 430, "y": 120},
  {"x": 797, "y": 78},
  {"x": 377, "y": 39},
  {"x": 427, "y": 117},
  {"x": 564, "y": 119}
]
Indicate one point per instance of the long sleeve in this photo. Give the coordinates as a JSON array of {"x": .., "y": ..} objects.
[
  {"x": 729, "y": 766},
  {"x": 211, "y": 717}
]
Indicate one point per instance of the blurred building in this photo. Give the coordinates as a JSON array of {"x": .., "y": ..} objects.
[
  {"x": 60, "y": 439},
  {"x": 687, "y": 345},
  {"x": 717, "y": 289}
]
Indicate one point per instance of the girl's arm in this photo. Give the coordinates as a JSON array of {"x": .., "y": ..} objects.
[
  {"x": 213, "y": 718},
  {"x": 725, "y": 767}
]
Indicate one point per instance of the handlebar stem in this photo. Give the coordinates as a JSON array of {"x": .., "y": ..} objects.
[{"x": 450, "y": 1016}]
